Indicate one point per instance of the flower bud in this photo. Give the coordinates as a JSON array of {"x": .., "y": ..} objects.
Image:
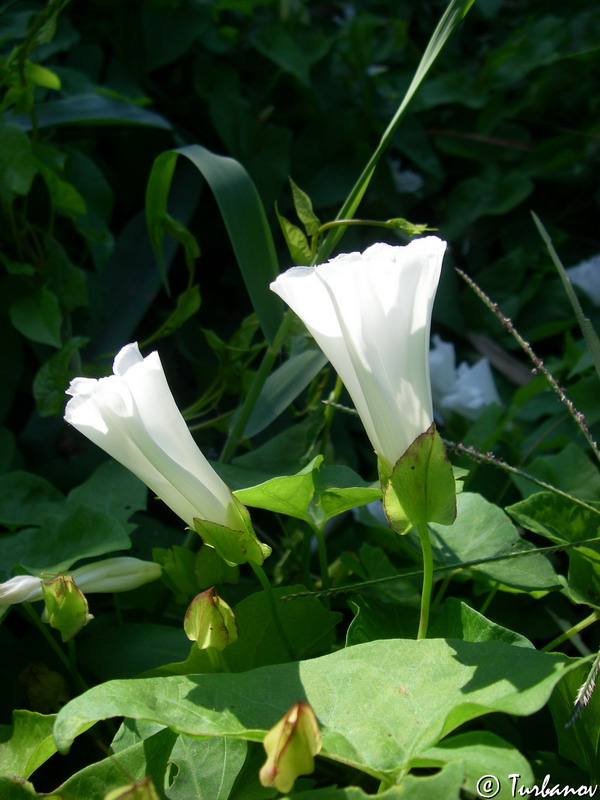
[
  {"x": 291, "y": 745},
  {"x": 66, "y": 606},
  {"x": 111, "y": 575},
  {"x": 210, "y": 622}
]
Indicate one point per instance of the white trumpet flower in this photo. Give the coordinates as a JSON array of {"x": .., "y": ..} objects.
[{"x": 371, "y": 315}]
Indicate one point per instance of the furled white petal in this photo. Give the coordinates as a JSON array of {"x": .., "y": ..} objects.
[
  {"x": 586, "y": 275},
  {"x": 371, "y": 313},
  {"x": 119, "y": 574},
  {"x": 20, "y": 589},
  {"x": 133, "y": 417}
]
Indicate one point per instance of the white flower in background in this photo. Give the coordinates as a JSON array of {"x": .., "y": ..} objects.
[
  {"x": 465, "y": 390},
  {"x": 133, "y": 417},
  {"x": 111, "y": 575},
  {"x": 370, "y": 313},
  {"x": 586, "y": 275}
]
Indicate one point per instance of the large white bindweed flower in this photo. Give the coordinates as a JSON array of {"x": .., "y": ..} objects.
[
  {"x": 371, "y": 315},
  {"x": 119, "y": 574},
  {"x": 133, "y": 417}
]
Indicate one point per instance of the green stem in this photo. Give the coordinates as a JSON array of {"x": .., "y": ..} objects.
[
  {"x": 216, "y": 659},
  {"x": 67, "y": 661},
  {"x": 268, "y": 589},
  {"x": 427, "y": 579},
  {"x": 243, "y": 415},
  {"x": 585, "y": 623},
  {"x": 489, "y": 598},
  {"x": 442, "y": 590},
  {"x": 323, "y": 560}
]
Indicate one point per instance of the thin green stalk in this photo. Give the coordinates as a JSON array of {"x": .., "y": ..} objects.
[
  {"x": 216, "y": 659},
  {"x": 268, "y": 589},
  {"x": 322, "y": 552},
  {"x": 67, "y": 661},
  {"x": 441, "y": 591},
  {"x": 490, "y": 596},
  {"x": 575, "y": 629},
  {"x": 330, "y": 408},
  {"x": 427, "y": 579},
  {"x": 256, "y": 386}
]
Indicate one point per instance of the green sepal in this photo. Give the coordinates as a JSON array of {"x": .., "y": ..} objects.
[
  {"x": 421, "y": 486},
  {"x": 234, "y": 546},
  {"x": 66, "y": 606}
]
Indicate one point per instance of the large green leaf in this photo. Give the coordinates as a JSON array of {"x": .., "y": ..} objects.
[
  {"x": 148, "y": 756},
  {"x": 481, "y": 753},
  {"x": 91, "y": 109},
  {"x": 283, "y": 386},
  {"x": 560, "y": 520},
  {"x": 243, "y": 215},
  {"x": 425, "y": 689},
  {"x": 53, "y": 547},
  {"x": 482, "y": 529},
  {"x": 316, "y": 493},
  {"x": 24, "y": 748}
]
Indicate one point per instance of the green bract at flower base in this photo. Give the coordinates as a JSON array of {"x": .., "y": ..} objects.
[
  {"x": 234, "y": 546},
  {"x": 421, "y": 487},
  {"x": 66, "y": 606}
]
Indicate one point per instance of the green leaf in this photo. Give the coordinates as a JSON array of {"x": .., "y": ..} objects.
[
  {"x": 17, "y": 163},
  {"x": 295, "y": 57},
  {"x": 581, "y": 741},
  {"x": 481, "y": 753},
  {"x": 111, "y": 489},
  {"x": 221, "y": 760},
  {"x": 53, "y": 547},
  {"x": 243, "y": 215},
  {"x": 28, "y": 499},
  {"x": 15, "y": 789},
  {"x": 559, "y": 520},
  {"x": 41, "y": 76},
  {"x": 91, "y": 109},
  {"x": 147, "y": 756},
  {"x": 288, "y": 494},
  {"x": 185, "y": 237},
  {"x": 28, "y": 745},
  {"x": 283, "y": 386},
  {"x": 295, "y": 239},
  {"x": 304, "y": 210},
  {"x": 128, "y": 649},
  {"x": 451, "y": 19},
  {"x": 53, "y": 377},
  {"x": 421, "y": 487},
  {"x": 308, "y": 625},
  {"x": 460, "y": 621},
  {"x": 481, "y": 530},
  {"x": 38, "y": 317},
  {"x": 449, "y": 681},
  {"x": 314, "y": 494}
]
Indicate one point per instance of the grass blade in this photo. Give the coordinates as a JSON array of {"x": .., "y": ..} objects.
[
  {"x": 243, "y": 215},
  {"x": 587, "y": 329},
  {"x": 452, "y": 17}
]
